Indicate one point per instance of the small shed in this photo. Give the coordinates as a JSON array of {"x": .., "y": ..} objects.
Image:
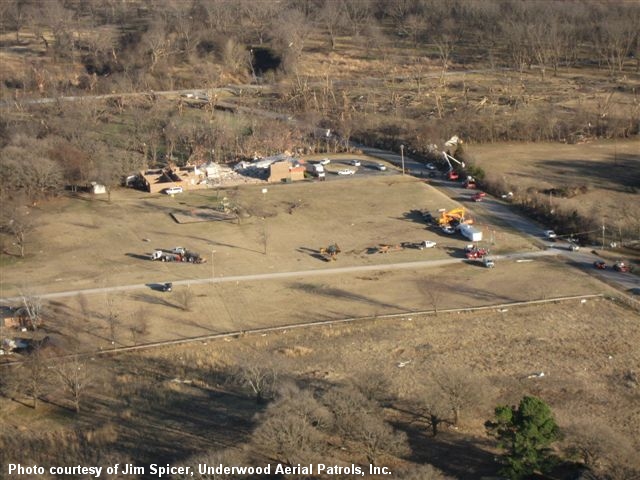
[{"x": 98, "y": 188}]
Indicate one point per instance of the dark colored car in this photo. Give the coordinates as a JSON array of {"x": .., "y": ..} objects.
[{"x": 600, "y": 264}]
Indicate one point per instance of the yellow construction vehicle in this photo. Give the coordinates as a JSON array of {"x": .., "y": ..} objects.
[{"x": 455, "y": 216}]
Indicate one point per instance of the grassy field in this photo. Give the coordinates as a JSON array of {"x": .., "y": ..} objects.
[
  {"x": 598, "y": 180},
  {"x": 90, "y": 243},
  {"x": 177, "y": 398}
]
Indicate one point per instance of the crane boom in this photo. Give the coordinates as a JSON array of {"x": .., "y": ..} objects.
[{"x": 448, "y": 157}]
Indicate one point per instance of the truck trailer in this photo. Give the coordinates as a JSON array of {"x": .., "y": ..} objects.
[
  {"x": 315, "y": 169},
  {"x": 470, "y": 233},
  {"x": 178, "y": 254}
]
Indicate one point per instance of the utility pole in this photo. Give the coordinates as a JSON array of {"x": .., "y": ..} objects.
[
  {"x": 213, "y": 276},
  {"x": 264, "y": 223},
  {"x": 402, "y": 156}
]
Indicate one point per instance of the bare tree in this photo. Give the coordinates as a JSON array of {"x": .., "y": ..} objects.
[
  {"x": 35, "y": 377},
  {"x": 377, "y": 437},
  {"x": 185, "y": 298},
  {"x": 361, "y": 420},
  {"x": 32, "y": 309},
  {"x": 358, "y": 13},
  {"x": 617, "y": 38},
  {"x": 139, "y": 326},
  {"x": 459, "y": 387},
  {"x": 76, "y": 376},
  {"x": 156, "y": 41},
  {"x": 60, "y": 21},
  {"x": 25, "y": 167},
  {"x": 259, "y": 22},
  {"x": 17, "y": 222},
  {"x": 112, "y": 318},
  {"x": 290, "y": 32},
  {"x": 433, "y": 408},
  {"x": 256, "y": 372},
  {"x": 14, "y": 13},
  {"x": 597, "y": 445},
  {"x": 332, "y": 19},
  {"x": 236, "y": 57},
  {"x": 288, "y": 428},
  {"x": 516, "y": 44},
  {"x": 423, "y": 397}
]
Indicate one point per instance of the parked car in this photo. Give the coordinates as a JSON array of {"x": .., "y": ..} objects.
[
  {"x": 428, "y": 244},
  {"x": 325, "y": 161},
  {"x": 448, "y": 230},
  {"x": 488, "y": 262},
  {"x": 166, "y": 287},
  {"x": 477, "y": 197},
  {"x": 173, "y": 190},
  {"x": 620, "y": 266},
  {"x": 550, "y": 234},
  {"x": 381, "y": 166},
  {"x": 355, "y": 163},
  {"x": 600, "y": 264},
  {"x": 346, "y": 171}
]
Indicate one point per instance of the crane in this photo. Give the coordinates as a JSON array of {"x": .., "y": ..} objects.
[{"x": 451, "y": 174}]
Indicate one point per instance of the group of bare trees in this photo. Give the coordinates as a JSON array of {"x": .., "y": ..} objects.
[
  {"x": 299, "y": 422},
  {"x": 139, "y": 40},
  {"x": 43, "y": 374}
]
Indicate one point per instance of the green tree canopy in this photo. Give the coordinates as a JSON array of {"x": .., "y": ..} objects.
[{"x": 525, "y": 432}]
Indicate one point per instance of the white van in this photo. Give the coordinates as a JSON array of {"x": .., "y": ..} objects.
[{"x": 173, "y": 190}]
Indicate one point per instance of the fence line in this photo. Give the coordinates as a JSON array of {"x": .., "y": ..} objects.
[{"x": 340, "y": 321}]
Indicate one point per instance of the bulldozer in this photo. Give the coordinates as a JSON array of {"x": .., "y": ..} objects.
[{"x": 331, "y": 252}]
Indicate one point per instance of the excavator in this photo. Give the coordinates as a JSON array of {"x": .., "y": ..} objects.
[
  {"x": 455, "y": 216},
  {"x": 331, "y": 252}
]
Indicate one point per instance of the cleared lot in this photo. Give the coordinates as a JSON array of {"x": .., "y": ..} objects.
[{"x": 94, "y": 244}]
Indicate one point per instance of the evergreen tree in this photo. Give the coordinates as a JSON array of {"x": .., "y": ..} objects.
[{"x": 526, "y": 432}]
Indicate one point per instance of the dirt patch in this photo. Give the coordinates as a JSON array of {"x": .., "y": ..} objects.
[{"x": 203, "y": 215}]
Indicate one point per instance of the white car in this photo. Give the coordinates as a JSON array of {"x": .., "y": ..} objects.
[
  {"x": 173, "y": 190},
  {"x": 550, "y": 234},
  {"x": 448, "y": 230},
  {"x": 346, "y": 171},
  {"x": 488, "y": 263},
  {"x": 381, "y": 167},
  {"x": 325, "y": 161},
  {"x": 428, "y": 244},
  {"x": 355, "y": 163}
]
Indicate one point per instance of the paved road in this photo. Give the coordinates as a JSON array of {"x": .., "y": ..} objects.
[
  {"x": 501, "y": 213},
  {"x": 284, "y": 275}
]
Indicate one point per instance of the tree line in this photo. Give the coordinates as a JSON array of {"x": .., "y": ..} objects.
[{"x": 127, "y": 46}]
